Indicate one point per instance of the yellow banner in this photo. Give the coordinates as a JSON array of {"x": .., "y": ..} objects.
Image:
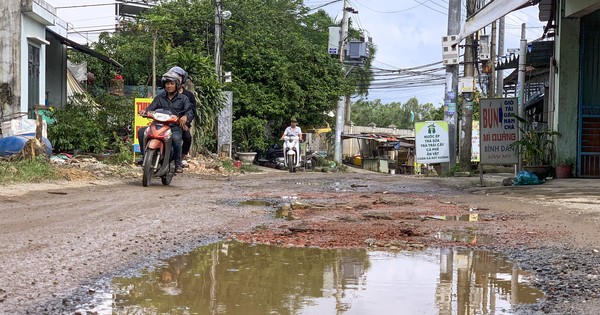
[{"x": 139, "y": 122}]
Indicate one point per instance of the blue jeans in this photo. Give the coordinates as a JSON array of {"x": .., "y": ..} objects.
[{"x": 176, "y": 138}]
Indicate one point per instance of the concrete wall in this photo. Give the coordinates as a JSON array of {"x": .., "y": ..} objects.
[
  {"x": 567, "y": 86},
  {"x": 10, "y": 55}
]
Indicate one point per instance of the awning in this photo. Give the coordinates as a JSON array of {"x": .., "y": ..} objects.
[
  {"x": 85, "y": 49},
  {"x": 538, "y": 57},
  {"x": 490, "y": 13}
]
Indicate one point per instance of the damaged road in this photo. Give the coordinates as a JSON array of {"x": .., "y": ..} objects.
[{"x": 57, "y": 240}]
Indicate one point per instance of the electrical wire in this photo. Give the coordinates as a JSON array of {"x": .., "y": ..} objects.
[
  {"x": 323, "y": 5},
  {"x": 388, "y": 12},
  {"x": 87, "y": 5},
  {"x": 436, "y": 10}
]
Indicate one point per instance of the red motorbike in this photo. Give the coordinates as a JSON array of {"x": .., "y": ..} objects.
[{"x": 158, "y": 150}]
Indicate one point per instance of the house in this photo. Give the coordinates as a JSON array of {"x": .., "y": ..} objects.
[
  {"x": 570, "y": 103},
  {"x": 33, "y": 57},
  {"x": 576, "y": 112}
]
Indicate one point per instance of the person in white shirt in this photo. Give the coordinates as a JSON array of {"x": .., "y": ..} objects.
[{"x": 293, "y": 130}]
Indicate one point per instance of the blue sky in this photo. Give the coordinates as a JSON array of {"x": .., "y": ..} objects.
[{"x": 407, "y": 34}]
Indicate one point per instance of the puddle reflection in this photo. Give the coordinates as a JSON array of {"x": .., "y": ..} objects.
[{"x": 237, "y": 278}]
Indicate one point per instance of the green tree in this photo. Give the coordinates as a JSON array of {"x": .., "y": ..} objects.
[
  {"x": 275, "y": 49},
  {"x": 279, "y": 70},
  {"x": 401, "y": 115}
]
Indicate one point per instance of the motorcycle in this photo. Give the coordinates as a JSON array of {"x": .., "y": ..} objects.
[
  {"x": 274, "y": 157},
  {"x": 158, "y": 160},
  {"x": 291, "y": 152}
]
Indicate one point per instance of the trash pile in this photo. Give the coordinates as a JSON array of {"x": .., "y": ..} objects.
[
  {"x": 75, "y": 167},
  {"x": 84, "y": 167},
  {"x": 527, "y": 178}
]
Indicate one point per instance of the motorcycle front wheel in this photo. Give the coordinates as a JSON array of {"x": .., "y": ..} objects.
[
  {"x": 149, "y": 162},
  {"x": 290, "y": 163},
  {"x": 166, "y": 179}
]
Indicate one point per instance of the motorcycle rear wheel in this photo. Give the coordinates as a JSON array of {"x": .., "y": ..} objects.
[{"x": 149, "y": 162}]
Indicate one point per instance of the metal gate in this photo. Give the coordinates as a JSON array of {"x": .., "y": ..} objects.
[{"x": 589, "y": 98}]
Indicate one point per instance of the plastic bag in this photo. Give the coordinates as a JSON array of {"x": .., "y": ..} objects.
[{"x": 527, "y": 178}]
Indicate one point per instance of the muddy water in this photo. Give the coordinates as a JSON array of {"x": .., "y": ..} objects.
[{"x": 236, "y": 278}]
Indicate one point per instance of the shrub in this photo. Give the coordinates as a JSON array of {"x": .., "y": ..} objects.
[
  {"x": 83, "y": 125},
  {"x": 34, "y": 170}
]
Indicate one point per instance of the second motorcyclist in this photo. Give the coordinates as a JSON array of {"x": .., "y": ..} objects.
[
  {"x": 179, "y": 105},
  {"x": 293, "y": 130}
]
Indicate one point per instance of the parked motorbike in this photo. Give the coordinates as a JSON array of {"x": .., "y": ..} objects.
[
  {"x": 158, "y": 150},
  {"x": 291, "y": 152},
  {"x": 274, "y": 157}
]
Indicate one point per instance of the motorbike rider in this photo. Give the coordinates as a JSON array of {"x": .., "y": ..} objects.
[
  {"x": 293, "y": 130},
  {"x": 179, "y": 105},
  {"x": 187, "y": 135}
]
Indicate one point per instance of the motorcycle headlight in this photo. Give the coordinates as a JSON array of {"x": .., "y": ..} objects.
[{"x": 161, "y": 116}]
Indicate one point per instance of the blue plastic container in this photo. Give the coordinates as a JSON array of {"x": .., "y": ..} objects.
[{"x": 13, "y": 144}]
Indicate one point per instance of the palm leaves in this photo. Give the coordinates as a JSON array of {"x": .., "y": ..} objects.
[{"x": 536, "y": 144}]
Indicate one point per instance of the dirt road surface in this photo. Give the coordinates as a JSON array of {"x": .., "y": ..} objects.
[{"x": 57, "y": 239}]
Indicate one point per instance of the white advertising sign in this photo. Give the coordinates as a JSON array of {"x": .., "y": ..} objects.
[
  {"x": 475, "y": 141},
  {"x": 432, "y": 145},
  {"x": 498, "y": 130}
]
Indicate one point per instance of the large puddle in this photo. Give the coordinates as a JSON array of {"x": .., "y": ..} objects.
[{"x": 237, "y": 278}]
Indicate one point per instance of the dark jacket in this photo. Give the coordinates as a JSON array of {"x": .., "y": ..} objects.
[
  {"x": 179, "y": 104},
  {"x": 192, "y": 99}
]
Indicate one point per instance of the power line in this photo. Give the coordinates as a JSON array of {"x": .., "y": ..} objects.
[
  {"x": 388, "y": 12},
  {"x": 323, "y": 5},
  {"x": 85, "y": 6},
  {"x": 436, "y": 10},
  {"x": 90, "y": 19}
]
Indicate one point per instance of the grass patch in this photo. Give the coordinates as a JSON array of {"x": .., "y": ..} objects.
[
  {"x": 247, "y": 168},
  {"x": 25, "y": 171},
  {"x": 261, "y": 227},
  {"x": 228, "y": 165},
  {"x": 453, "y": 170},
  {"x": 251, "y": 168}
]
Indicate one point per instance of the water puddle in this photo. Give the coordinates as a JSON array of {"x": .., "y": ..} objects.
[
  {"x": 285, "y": 212},
  {"x": 256, "y": 203},
  {"x": 236, "y": 278},
  {"x": 471, "y": 217}
]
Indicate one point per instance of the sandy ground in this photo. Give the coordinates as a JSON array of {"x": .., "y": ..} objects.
[{"x": 56, "y": 239}]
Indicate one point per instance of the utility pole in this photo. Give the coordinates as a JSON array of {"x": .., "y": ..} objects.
[
  {"x": 521, "y": 81},
  {"x": 341, "y": 106},
  {"x": 450, "y": 98},
  {"x": 467, "y": 102},
  {"x": 492, "y": 64},
  {"x": 500, "y": 73},
  {"x": 154, "y": 64},
  {"x": 218, "y": 41}
]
